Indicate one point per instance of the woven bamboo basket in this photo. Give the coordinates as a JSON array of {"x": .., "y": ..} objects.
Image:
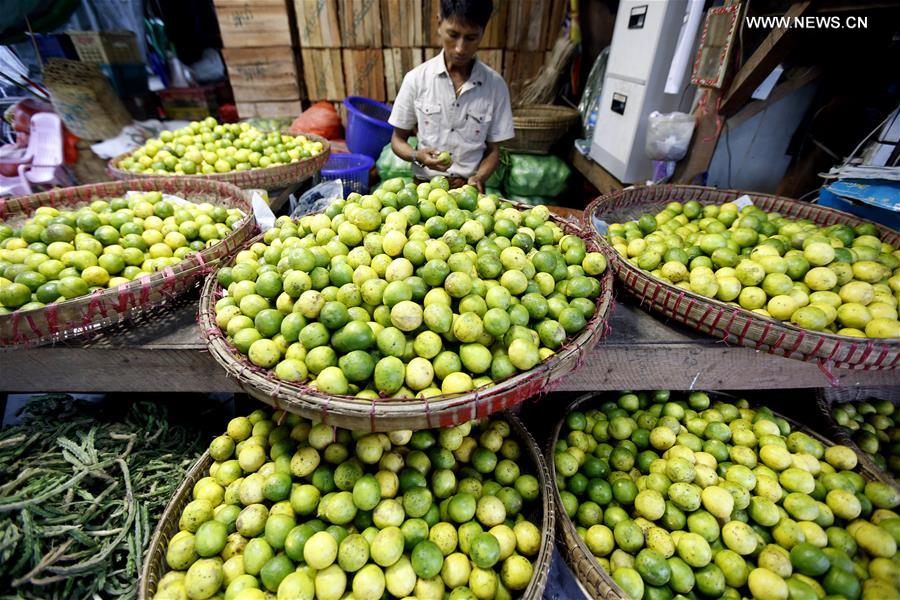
[
  {"x": 387, "y": 414},
  {"x": 826, "y": 398},
  {"x": 597, "y": 582},
  {"x": 88, "y": 314},
  {"x": 270, "y": 178},
  {"x": 733, "y": 324},
  {"x": 540, "y": 126},
  {"x": 155, "y": 557}
]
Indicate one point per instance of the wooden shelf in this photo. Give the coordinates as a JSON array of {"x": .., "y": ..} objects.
[{"x": 641, "y": 352}]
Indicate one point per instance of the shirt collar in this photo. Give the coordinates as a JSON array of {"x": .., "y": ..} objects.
[{"x": 438, "y": 67}]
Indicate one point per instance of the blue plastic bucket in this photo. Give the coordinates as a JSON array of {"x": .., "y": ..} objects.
[
  {"x": 368, "y": 129},
  {"x": 351, "y": 169}
]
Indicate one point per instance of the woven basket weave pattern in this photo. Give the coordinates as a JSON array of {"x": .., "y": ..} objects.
[
  {"x": 387, "y": 414},
  {"x": 155, "y": 557},
  {"x": 537, "y": 128},
  {"x": 731, "y": 324},
  {"x": 270, "y": 178},
  {"x": 88, "y": 314},
  {"x": 599, "y": 584}
]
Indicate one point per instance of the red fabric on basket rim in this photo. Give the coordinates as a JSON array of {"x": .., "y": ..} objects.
[{"x": 825, "y": 367}]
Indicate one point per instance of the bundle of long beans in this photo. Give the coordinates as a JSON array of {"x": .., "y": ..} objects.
[{"x": 80, "y": 495}]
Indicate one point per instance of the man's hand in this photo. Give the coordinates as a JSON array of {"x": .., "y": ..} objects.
[
  {"x": 431, "y": 158},
  {"x": 477, "y": 182}
]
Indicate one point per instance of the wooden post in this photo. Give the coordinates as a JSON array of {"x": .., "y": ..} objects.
[{"x": 766, "y": 57}]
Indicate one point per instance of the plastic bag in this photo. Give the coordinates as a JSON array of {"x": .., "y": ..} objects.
[
  {"x": 317, "y": 198},
  {"x": 390, "y": 165},
  {"x": 533, "y": 175},
  {"x": 669, "y": 135},
  {"x": 590, "y": 99},
  {"x": 320, "y": 119},
  {"x": 498, "y": 177}
]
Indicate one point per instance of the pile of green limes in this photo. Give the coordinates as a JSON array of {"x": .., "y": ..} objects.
[
  {"x": 681, "y": 497},
  {"x": 409, "y": 291},
  {"x": 301, "y": 510},
  {"x": 874, "y": 428},
  {"x": 836, "y": 279},
  {"x": 62, "y": 254},
  {"x": 207, "y": 147}
]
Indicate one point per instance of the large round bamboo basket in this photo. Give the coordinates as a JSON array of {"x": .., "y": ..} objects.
[
  {"x": 270, "y": 178},
  {"x": 827, "y": 398},
  {"x": 155, "y": 558},
  {"x": 733, "y": 324},
  {"x": 597, "y": 582},
  {"x": 88, "y": 314},
  {"x": 387, "y": 414}
]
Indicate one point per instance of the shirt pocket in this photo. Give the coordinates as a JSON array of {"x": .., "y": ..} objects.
[
  {"x": 428, "y": 118},
  {"x": 476, "y": 126}
]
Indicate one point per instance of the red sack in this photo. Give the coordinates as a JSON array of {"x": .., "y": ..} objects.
[{"x": 320, "y": 119}]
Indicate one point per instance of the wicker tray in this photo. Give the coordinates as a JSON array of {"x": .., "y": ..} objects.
[
  {"x": 88, "y": 314},
  {"x": 155, "y": 557},
  {"x": 827, "y": 397},
  {"x": 734, "y": 324},
  {"x": 387, "y": 414},
  {"x": 592, "y": 577},
  {"x": 540, "y": 126},
  {"x": 270, "y": 178}
]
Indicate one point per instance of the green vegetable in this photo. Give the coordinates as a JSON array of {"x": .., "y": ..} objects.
[{"x": 80, "y": 495}]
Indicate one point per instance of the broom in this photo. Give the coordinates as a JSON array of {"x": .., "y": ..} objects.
[{"x": 543, "y": 88}]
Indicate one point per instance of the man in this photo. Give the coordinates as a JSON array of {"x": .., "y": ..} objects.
[{"x": 458, "y": 106}]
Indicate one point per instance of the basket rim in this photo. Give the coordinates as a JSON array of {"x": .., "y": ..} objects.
[
  {"x": 282, "y": 174},
  {"x": 167, "y": 525},
  {"x": 630, "y": 275},
  {"x": 195, "y": 264},
  {"x": 566, "y": 526},
  {"x": 385, "y": 414}
]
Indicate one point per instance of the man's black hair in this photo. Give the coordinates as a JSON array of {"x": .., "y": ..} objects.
[{"x": 472, "y": 12}]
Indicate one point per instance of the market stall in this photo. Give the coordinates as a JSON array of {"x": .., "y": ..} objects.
[{"x": 293, "y": 347}]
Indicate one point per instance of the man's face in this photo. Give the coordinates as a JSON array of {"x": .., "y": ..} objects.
[{"x": 460, "y": 41}]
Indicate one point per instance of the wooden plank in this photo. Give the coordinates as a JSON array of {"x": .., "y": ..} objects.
[
  {"x": 245, "y": 24},
  {"x": 782, "y": 90},
  {"x": 364, "y": 73},
  {"x": 703, "y": 143},
  {"x": 402, "y": 23},
  {"x": 495, "y": 32},
  {"x": 398, "y": 62},
  {"x": 492, "y": 58},
  {"x": 521, "y": 66},
  {"x": 773, "y": 49},
  {"x": 431, "y": 16},
  {"x": 323, "y": 74},
  {"x": 526, "y": 26},
  {"x": 360, "y": 23},
  {"x": 599, "y": 177},
  {"x": 263, "y": 74},
  {"x": 317, "y": 23},
  {"x": 284, "y": 108},
  {"x": 641, "y": 352},
  {"x": 555, "y": 19}
]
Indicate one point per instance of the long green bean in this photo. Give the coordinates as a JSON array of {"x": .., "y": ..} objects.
[{"x": 80, "y": 496}]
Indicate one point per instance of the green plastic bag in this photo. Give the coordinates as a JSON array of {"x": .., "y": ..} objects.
[
  {"x": 498, "y": 177},
  {"x": 533, "y": 175},
  {"x": 390, "y": 165}
]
